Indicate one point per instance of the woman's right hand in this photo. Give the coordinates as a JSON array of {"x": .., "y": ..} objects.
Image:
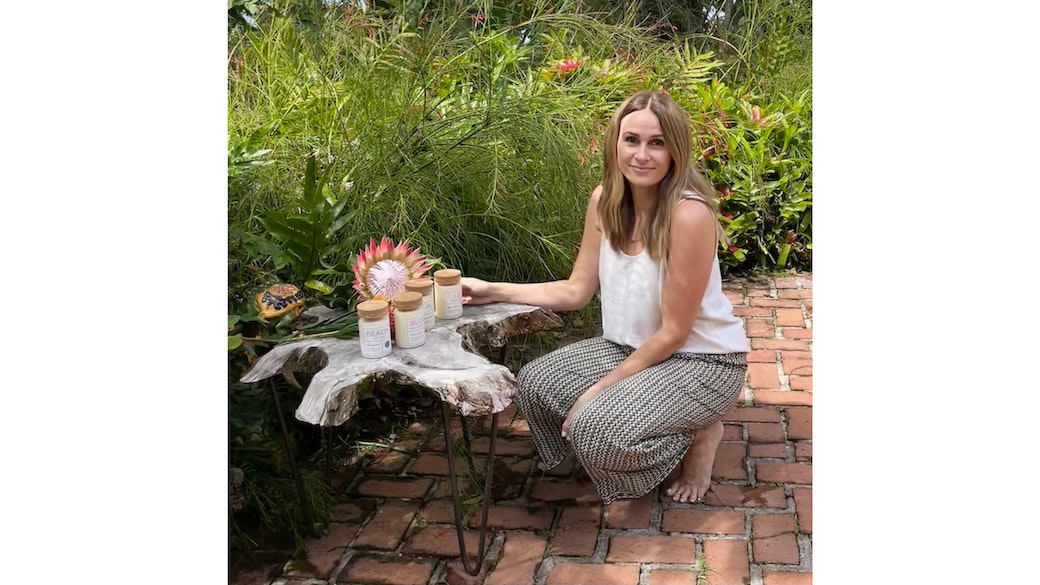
[{"x": 475, "y": 291}]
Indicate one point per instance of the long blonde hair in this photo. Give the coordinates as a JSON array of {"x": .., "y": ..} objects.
[{"x": 616, "y": 211}]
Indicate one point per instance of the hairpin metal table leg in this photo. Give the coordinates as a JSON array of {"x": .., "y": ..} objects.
[
  {"x": 305, "y": 509},
  {"x": 489, "y": 468}
]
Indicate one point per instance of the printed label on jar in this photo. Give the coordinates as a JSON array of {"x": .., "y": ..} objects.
[
  {"x": 415, "y": 332},
  {"x": 453, "y": 302},
  {"x": 375, "y": 342},
  {"x": 428, "y": 311}
]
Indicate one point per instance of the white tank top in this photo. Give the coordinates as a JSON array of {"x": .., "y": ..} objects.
[{"x": 630, "y": 294}]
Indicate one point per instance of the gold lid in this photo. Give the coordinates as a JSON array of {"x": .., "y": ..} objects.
[
  {"x": 408, "y": 300},
  {"x": 447, "y": 276},
  {"x": 422, "y": 285},
  {"x": 372, "y": 309}
]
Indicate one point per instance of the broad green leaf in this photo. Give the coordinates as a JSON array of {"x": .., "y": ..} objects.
[
  {"x": 234, "y": 341},
  {"x": 318, "y": 285}
]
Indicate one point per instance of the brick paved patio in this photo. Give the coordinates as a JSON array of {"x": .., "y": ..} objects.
[{"x": 394, "y": 524}]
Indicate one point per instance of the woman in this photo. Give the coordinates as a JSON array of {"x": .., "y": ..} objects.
[{"x": 651, "y": 392}]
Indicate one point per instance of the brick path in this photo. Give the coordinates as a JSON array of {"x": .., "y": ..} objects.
[{"x": 395, "y": 523}]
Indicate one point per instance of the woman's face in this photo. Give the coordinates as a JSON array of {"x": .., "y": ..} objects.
[{"x": 641, "y": 152}]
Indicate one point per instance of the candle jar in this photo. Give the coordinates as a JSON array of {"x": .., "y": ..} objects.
[
  {"x": 447, "y": 293},
  {"x": 374, "y": 328},
  {"x": 409, "y": 324},
  {"x": 423, "y": 286}
]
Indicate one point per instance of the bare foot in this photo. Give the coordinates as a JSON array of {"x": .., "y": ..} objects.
[{"x": 695, "y": 472}]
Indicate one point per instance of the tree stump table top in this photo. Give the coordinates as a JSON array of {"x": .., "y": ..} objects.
[{"x": 448, "y": 364}]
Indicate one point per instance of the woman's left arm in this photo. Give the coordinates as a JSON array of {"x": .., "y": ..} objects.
[{"x": 691, "y": 251}]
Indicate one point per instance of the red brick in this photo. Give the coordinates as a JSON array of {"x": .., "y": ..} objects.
[
  {"x": 651, "y": 549},
  {"x": 630, "y": 513},
  {"x": 796, "y": 332},
  {"x": 735, "y": 297},
  {"x": 801, "y": 383},
  {"x": 752, "y": 414},
  {"x": 797, "y": 367},
  {"x": 765, "y": 433},
  {"x": 791, "y": 282},
  {"x": 761, "y": 356},
  {"x": 576, "y": 532},
  {"x": 444, "y": 541},
  {"x": 430, "y": 464},
  {"x": 795, "y": 354},
  {"x": 752, "y": 312},
  {"x": 790, "y": 317},
  {"x": 766, "y": 525},
  {"x": 759, "y": 292},
  {"x": 516, "y": 517},
  {"x": 734, "y": 496},
  {"x": 673, "y": 577},
  {"x": 732, "y": 432},
  {"x": 504, "y": 445},
  {"x": 799, "y": 423},
  {"x": 786, "y": 303},
  {"x": 785, "y": 578},
  {"x": 803, "y": 452},
  {"x": 387, "y": 526},
  {"x": 391, "y": 571},
  {"x": 395, "y": 488},
  {"x": 554, "y": 491},
  {"x": 784, "y": 472},
  {"x": 782, "y": 549},
  {"x": 772, "y": 450},
  {"x": 795, "y": 294},
  {"x": 521, "y": 557},
  {"x": 760, "y": 328},
  {"x": 438, "y": 511},
  {"x": 783, "y": 397},
  {"x": 387, "y": 462},
  {"x": 590, "y": 574},
  {"x": 703, "y": 521},
  {"x": 727, "y": 562},
  {"x": 729, "y": 461},
  {"x": 763, "y": 376},
  {"x": 455, "y": 573},
  {"x": 789, "y": 344},
  {"x": 803, "y": 509},
  {"x": 355, "y": 511}
]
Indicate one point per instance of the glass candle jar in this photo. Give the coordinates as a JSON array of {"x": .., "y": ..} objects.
[
  {"x": 374, "y": 328},
  {"x": 409, "y": 324},
  {"x": 423, "y": 286},
  {"x": 447, "y": 293}
]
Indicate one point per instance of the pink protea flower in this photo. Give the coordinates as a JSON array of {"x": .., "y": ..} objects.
[{"x": 381, "y": 270}]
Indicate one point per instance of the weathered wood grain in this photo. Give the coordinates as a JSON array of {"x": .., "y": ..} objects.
[{"x": 447, "y": 364}]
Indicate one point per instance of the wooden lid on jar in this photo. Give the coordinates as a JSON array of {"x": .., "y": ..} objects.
[
  {"x": 423, "y": 286},
  {"x": 447, "y": 276},
  {"x": 408, "y": 300},
  {"x": 372, "y": 309}
]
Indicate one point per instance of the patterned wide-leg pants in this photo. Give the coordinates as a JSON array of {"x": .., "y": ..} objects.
[{"x": 634, "y": 433}]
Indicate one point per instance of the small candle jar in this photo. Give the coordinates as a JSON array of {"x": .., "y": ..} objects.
[
  {"x": 447, "y": 293},
  {"x": 374, "y": 328},
  {"x": 409, "y": 324},
  {"x": 423, "y": 286}
]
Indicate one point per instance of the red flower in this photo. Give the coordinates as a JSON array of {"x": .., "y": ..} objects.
[
  {"x": 791, "y": 237},
  {"x": 568, "y": 65},
  {"x": 728, "y": 215},
  {"x": 478, "y": 19},
  {"x": 733, "y": 248}
]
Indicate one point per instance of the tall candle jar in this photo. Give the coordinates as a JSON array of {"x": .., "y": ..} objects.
[
  {"x": 423, "y": 286},
  {"x": 374, "y": 328},
  {"x": 409, "y": 324},
  {"x": 447, "y": 293}
]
